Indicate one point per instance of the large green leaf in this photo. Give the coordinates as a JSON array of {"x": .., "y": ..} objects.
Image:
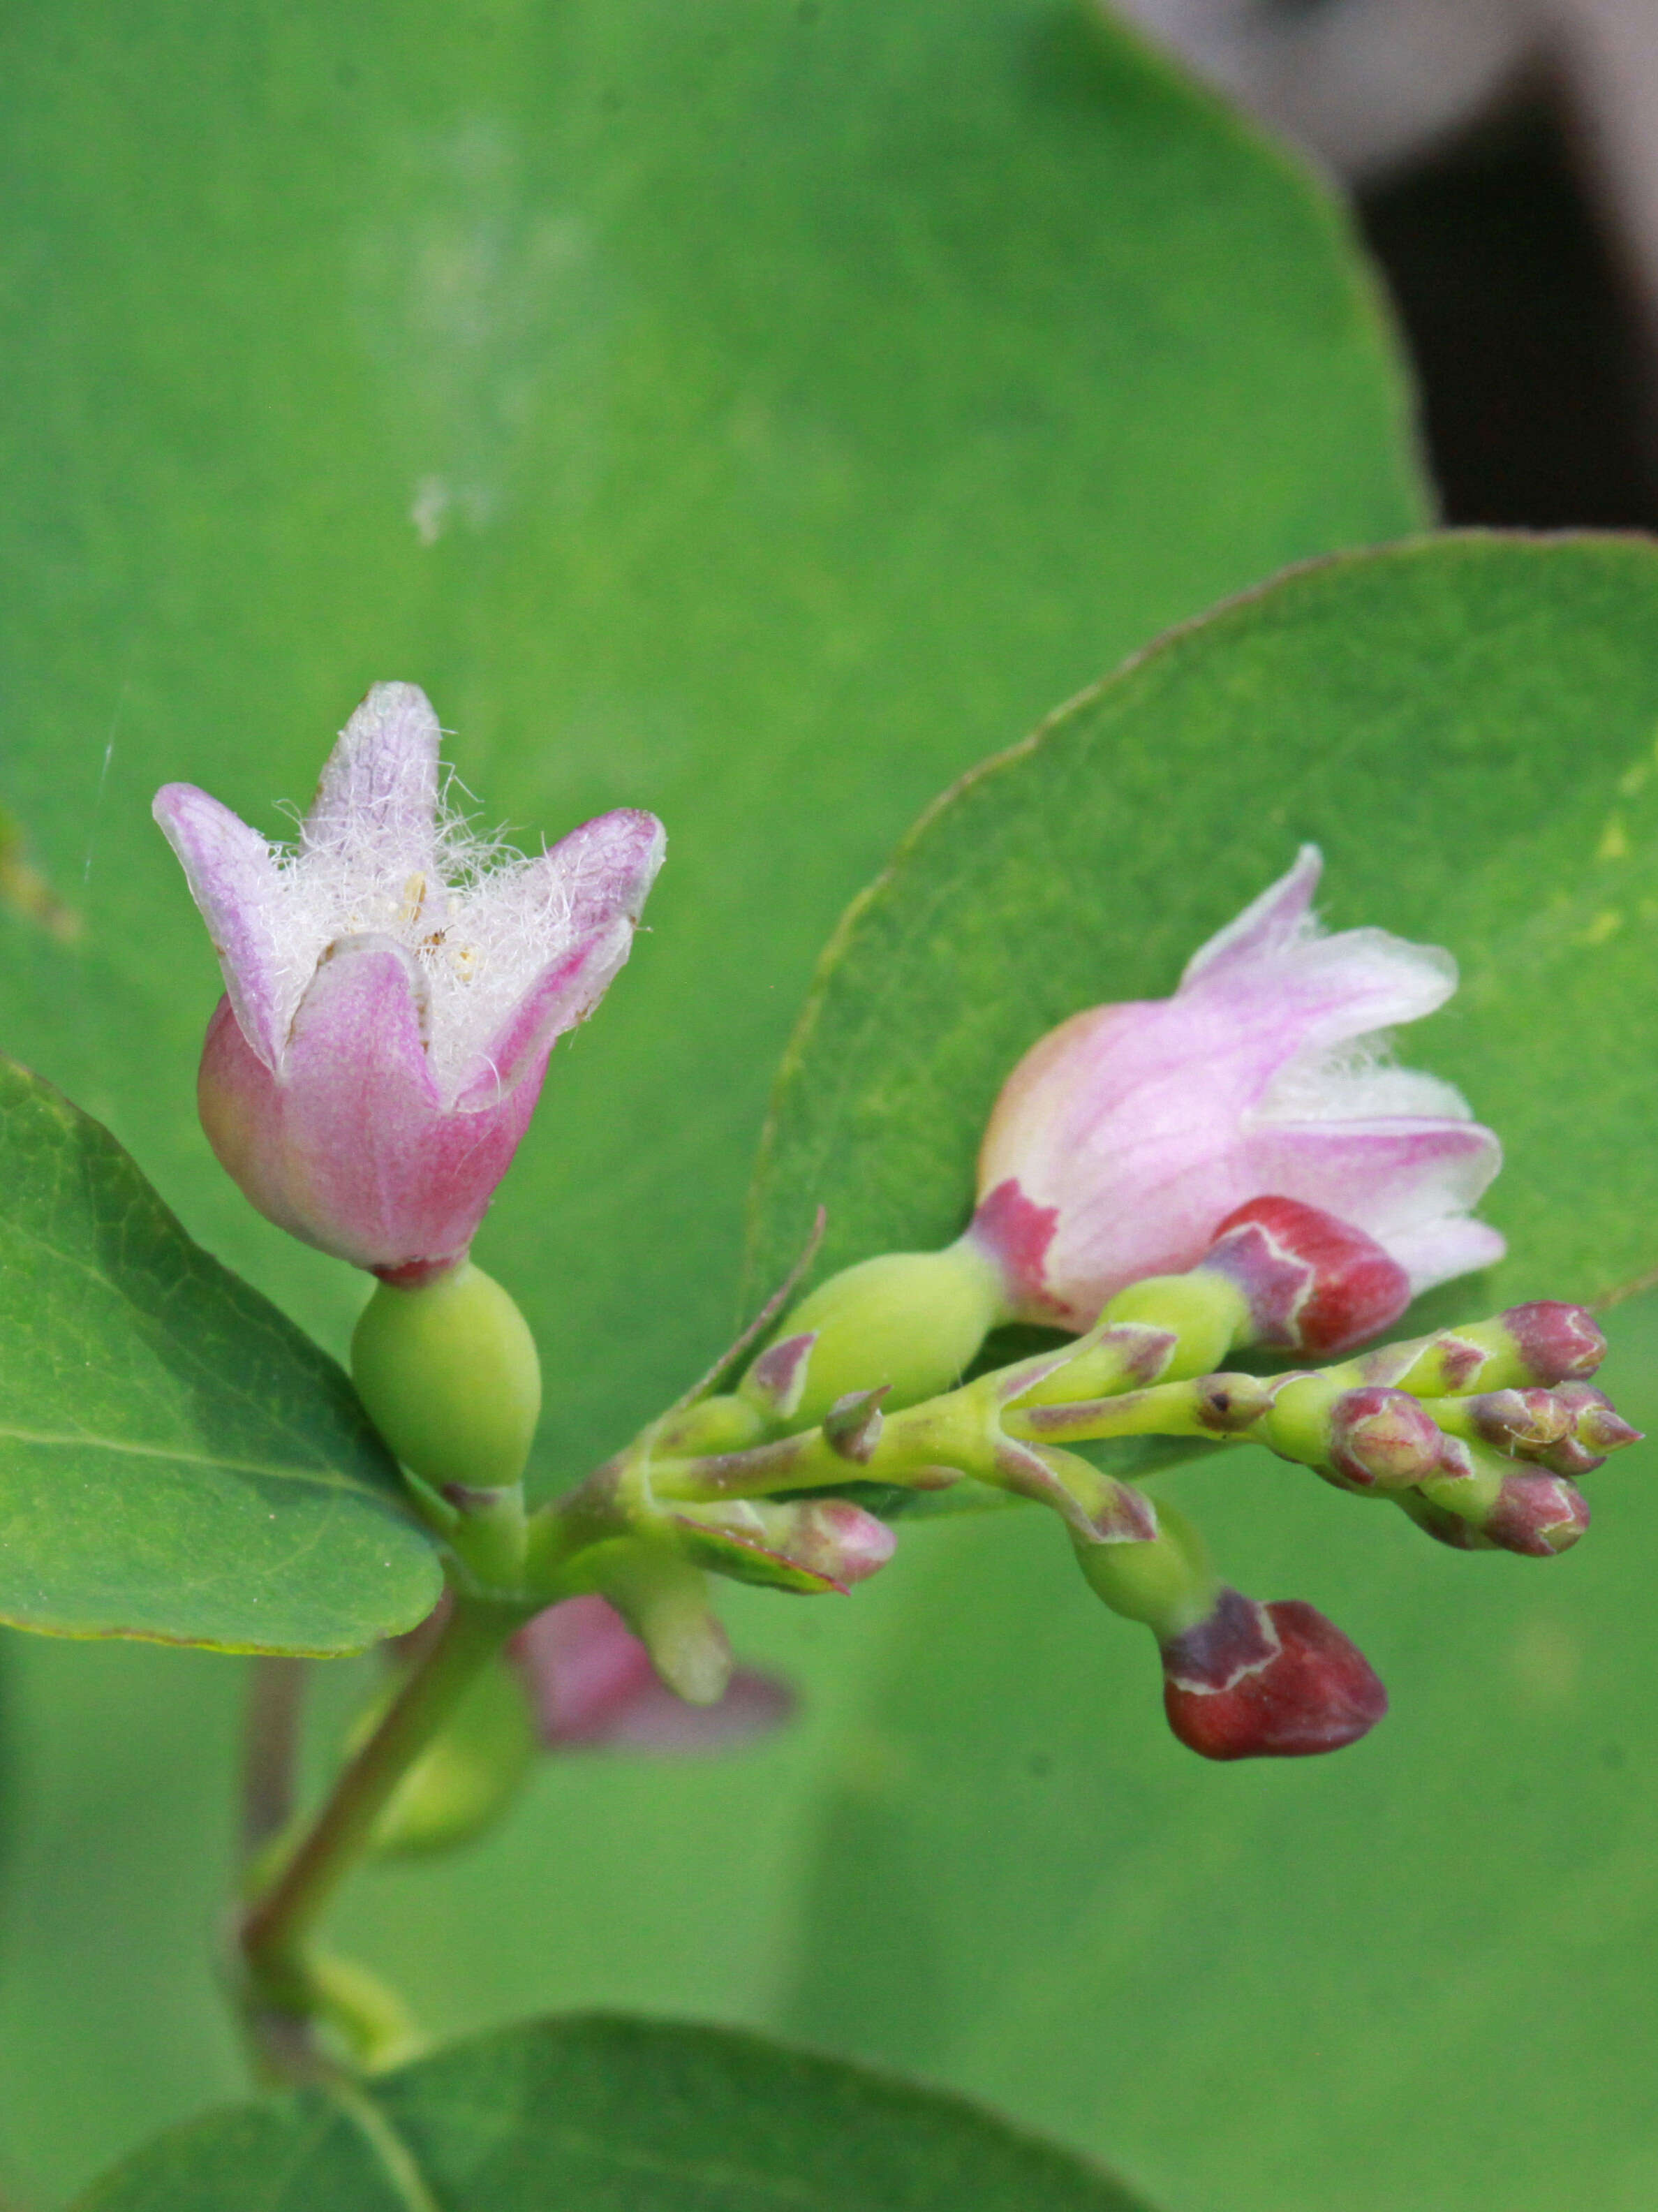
[
  {"x": 1467, "y": 727},
  {"x": 610, "y": 2115},
  {"x": 752, "y": 411},
  {"x": 176, "y": 1461},
  {"x": 1418, "y": 1972}
]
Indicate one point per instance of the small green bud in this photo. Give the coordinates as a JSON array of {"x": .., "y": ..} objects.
[
  {"x": 664, "y": 1599},
  {"x": 1168, "y": 1582},
  {"x": 450, "y": 1376},
  {"x": 911, "y": 1320},
  {"x": 1298, "y": 1426},
  {"x": 469, "y": 1773}
]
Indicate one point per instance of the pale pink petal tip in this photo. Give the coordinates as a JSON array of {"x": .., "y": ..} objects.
[
  {"x": 380, "y": 781},
  {"x": 593, "y": 1686},
  {"x": 1276, "y": 919},
  {"x": 234, "y": 879}
]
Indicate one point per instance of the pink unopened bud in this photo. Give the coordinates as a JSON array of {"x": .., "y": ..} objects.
[
  {"x": 592, "y": 1685},
  {"x": 1125, "y": 1135},
  {"x": 1525, "y": 1424},
  {"x": 1555, "y": 1343},
  {"x": 812, "y": 1545},
  {"x": 1268, "y": 1682},
  {"x": 1314, "y": 1283},
  {"x": 389, "y": 1004},
  {"x": 1538, "y": 1515},
  {"x": 1595, "y": 1429},
  {"x": 1383, "y": 1439},
  {"x": 1534, "y": 1515}
]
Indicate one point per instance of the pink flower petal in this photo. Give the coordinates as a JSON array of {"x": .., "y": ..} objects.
[
  {"x": 1439, "y": 1251},
  {"x": 233, "y": 880},
  {"x": 592, "y": 1685},
  {"x": 379, "y": 785},
  {"x": 348, "y": 1148},
  {"x": 604, "y": 869},
  {"x": 1276, "y": 919},
  {"x": 1392, "y": 1179}
]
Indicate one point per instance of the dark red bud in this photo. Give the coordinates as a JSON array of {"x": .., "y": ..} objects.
[
  {"x": 1383, "y": 1439},
  {"x": 1556, "y": 1343},
  {"x": 1268, "y": 1682},
  {"x": 1314, "y": 1283}
]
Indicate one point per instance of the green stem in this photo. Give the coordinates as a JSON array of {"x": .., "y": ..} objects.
[{"x": 279, "y": 1921}]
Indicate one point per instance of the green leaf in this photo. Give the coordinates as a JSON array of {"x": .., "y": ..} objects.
[
  {"x": 1269, "y": 1967},
  {"x": 756, "y": 411},
  {"x": 176, "y": 1461},
  {"x": 612, "y": 2115},
  {"x": 1466, "y": 726}
]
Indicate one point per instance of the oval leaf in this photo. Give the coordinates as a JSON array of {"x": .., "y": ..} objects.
[
  {"x": 609, "y": 2115},
  {"x": 1466, "y": 726},
  {"x": 176, "y": 1461}
]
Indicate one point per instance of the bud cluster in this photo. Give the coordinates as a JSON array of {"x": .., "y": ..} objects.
[{"x": 1479, "y": 1432}]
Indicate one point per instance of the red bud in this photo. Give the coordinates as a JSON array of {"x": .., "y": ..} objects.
[
  {"x": 1314, "y": 1283},
  {"x": 1268, "y": 1682}
]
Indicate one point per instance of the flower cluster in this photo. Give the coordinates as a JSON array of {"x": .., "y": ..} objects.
[{"x": 1241, "y": 1168}]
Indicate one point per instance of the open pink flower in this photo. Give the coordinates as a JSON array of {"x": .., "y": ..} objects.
[
  {"x": 592, "y": 1685},
  {"x": 393, "y": 990},
  {"x": 1123, "y": 1138}
]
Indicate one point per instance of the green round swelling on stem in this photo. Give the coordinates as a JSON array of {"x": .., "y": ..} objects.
[
  {"x": 451, "y": 1378},
  {"x": 1167, "y": 1583},
  {"x": 469, "y": 1775},
  {"x": 1204, "y": 1312},
  {"x": 911, "y": 1322},
  {"x": 664, "y": 1599},
  {"x": 1298, "y": 1426}
]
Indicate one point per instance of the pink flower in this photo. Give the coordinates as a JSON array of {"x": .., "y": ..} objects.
[
  {"x": 391, "y": 995},
  {"x": 591, "y": 1685},
  {"x": 1123, "y": 1138}
]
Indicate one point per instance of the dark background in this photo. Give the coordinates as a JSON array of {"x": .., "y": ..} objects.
[{"x": 1525, "y": 341}]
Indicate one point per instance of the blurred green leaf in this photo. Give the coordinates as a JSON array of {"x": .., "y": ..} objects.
[
  {"x": 176, "y": 1461},
  {"x": 1467, "y": 727},
  {"x": 754, "y": 412},
  {"x": 610, "y": 2115},
  {"x": 758, "y": 412}
]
